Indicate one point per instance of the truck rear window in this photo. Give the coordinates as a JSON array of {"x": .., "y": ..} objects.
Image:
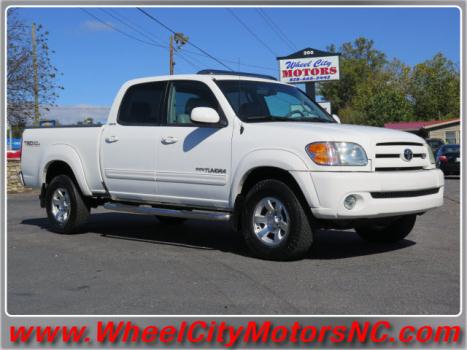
[{"x": 142, "y": 104}]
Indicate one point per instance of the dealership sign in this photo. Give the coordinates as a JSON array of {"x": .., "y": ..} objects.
[{"x": 309, "y": 65}]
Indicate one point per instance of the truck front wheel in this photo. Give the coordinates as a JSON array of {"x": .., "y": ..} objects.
[
  {"x": 66, "y": 209},
  {"x": 387, "y": 232},
  {"x": 274, "y": 223}
]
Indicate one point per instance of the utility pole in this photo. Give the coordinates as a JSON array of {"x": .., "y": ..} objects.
[
  {"x": 180, "y": 40},
  {"x": 36, "y": 81},
  {"x": 171, "y": 63}
]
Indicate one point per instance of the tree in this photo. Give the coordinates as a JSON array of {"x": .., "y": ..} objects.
[
  {"x": 380, "y": 101},
  {"x": 382, "y": 98},
  {"x": 359, "y": 61},
  {"x": 374, "y": 91},
  {"x": 435, "y": 89},
  {"x": 20, "y": 71}
]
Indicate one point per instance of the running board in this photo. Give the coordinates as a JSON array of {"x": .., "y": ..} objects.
[{"x": 185, "y": 214}]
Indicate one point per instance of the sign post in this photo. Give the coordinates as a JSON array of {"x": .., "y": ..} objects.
[
  {"x": 308, "y": 66},
  {"x": 310, "y": 90}
]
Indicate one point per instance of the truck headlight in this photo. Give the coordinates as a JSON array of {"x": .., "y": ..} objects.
[{"x": 337, "y": 153}]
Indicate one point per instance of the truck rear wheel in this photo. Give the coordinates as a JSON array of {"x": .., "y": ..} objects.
[
  {"x": 274, "y": 223},
  {"x": 391, "y": 232},
  {"x": 66, "y": 209}
]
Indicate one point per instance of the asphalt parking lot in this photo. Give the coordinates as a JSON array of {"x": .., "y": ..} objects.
[{"x": 126, "y": 264}]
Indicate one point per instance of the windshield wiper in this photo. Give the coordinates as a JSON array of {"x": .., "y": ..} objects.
[
  {"x": 286, "y": 119},
  {"x": 262, "y": 118},
  {"x": 310, "y": 119}
]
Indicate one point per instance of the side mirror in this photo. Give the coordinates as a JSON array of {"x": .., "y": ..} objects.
[
  {"x": 336, "y": 118},
  {"x": 204, "y": 115}
]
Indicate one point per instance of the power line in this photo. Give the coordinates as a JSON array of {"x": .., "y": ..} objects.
[
  {"x": 187, "y": 52},
  {"x": 127, "y": 23},
  {"x": 118, "y": 30},
  {"x": 152, "y": 41},
  {"x": 189, "y": 42},
  {"x": 122, "y": 19},
  {"x": 261, "y": 41},
  {"x": 191, "y": 63},
  {"x": 149, "y": 35},
  {"x": 276, "y": 29}
]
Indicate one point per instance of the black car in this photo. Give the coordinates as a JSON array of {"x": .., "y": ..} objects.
[{"x": 448, "y": 159}]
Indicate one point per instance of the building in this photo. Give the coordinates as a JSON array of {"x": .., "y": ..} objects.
[{"x": 447, "y": 130}]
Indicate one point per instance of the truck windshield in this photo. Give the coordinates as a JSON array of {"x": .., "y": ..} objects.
[{"x": 256, "y": 101}]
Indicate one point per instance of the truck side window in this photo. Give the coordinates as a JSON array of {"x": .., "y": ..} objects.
[
  {"x": 142, "y": 104},
  {"x": 186, "y": 95}
]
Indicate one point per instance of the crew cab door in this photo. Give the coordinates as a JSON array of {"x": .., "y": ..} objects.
[
  {"x": 129, "y": 146},
  {"x": 194, "y": 161}
]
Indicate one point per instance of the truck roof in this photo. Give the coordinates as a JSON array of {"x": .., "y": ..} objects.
[{"x": 203, "y": 77}]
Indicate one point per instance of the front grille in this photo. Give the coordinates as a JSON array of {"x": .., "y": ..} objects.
[
  {"x": 396, "y": 155},
  {"x": 399, "y": 168},
  {"x": 399, "y": 144},
  {"x": 388, "y": 156},
  {"x": 405, "y": 194}
]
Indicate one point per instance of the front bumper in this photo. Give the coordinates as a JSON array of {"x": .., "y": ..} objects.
[{"x": 333, "y": 187}]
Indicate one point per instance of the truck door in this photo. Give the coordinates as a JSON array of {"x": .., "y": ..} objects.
[
  {"x": 194, "y": 161},
  {"x": 129, "y": 149}
]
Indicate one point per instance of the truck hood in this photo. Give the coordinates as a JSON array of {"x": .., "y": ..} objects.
[{"x": 366, "y": 136}]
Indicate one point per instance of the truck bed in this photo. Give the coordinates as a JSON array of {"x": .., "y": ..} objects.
[{"x": 41, "y": 146}]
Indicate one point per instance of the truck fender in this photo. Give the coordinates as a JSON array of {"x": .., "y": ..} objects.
[
  {"x": 278, "y": 158},
  {"x": 68, "y": 155}
]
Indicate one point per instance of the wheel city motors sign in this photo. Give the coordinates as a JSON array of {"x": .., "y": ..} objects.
[{"x": 309, "y": 65}]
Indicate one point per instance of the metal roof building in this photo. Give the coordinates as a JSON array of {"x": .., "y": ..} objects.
[{"x": 446, "y": 130}]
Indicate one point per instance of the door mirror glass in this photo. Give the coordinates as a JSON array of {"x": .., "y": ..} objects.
[
  {"x": 204, "y": 115},
  {"x": 336, "y": 118}
]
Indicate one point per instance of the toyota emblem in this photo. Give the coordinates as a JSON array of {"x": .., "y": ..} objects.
[{"x": 407, "y": 155}]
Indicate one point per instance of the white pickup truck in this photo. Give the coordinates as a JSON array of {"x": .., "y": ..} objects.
[{"x": 234, "y": 146}]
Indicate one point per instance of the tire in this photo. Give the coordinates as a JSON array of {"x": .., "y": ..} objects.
[
  {"x": 392, "y": 232},
  {"x": 168, "y": 220},
  {"x": 292, "y": 236},
  {"x": 77, "y": 213}
]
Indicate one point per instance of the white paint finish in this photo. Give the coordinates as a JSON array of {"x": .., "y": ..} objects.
[
  {"x": 125, "y": 174},
  {"x": 204, "y": 115},
  {"x": 129, "y": 162},
  {"x": 332, "y": 188},
  {"x": 76, "y": 146},
  {"x": 197, "y": 148},
  {"x": 191, "y": 178}
]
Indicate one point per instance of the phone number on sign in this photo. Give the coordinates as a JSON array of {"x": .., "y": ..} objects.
[{"x": 324, "y": 77}]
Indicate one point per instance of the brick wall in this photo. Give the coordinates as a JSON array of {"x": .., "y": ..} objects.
[{"x": 13, "y": 183}]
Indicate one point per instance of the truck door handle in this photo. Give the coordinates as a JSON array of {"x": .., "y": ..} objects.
[
  {"x": 168, "y": 140},
  {"x": 111, "y": 139}
]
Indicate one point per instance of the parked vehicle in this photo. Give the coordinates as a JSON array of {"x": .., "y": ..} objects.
[
  {"x": 435, "y": 144},
  {"x": 448, "y": 159},
  {"x": 239, "y": 147}
]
